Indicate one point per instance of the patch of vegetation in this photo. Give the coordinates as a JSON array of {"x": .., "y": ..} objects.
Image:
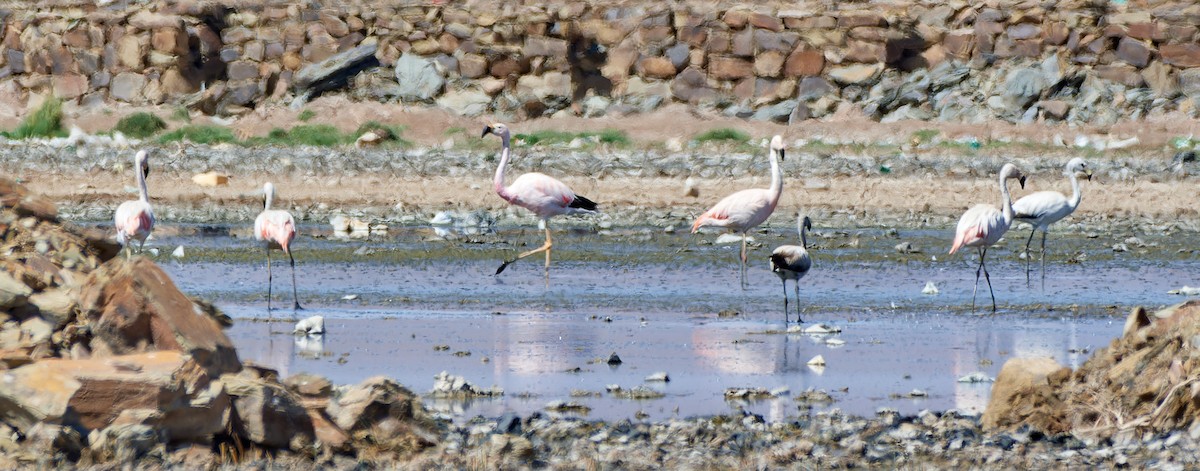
[
  {"x": 320, "y": 135},
  {"x": 181, "y": 114},
  {"x": 390, "y": 134},
  {"x": 454, "y": 130},
  {"x": 924, "y": 136},
  {"x": 200, "y": 134},
  {"x": 140, "y": 125},
  {"x": 548, "y": 137},
  {"x": 306, "y": 115},
  {"x": 723, "y": 134},
  {"x": 46, "y": 121}
]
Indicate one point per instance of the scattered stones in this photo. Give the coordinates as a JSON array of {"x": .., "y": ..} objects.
[
  {"x": 817, "y": 361},
  {"x": 820, "y": 329},
  {"x": 446, "y": 385},
  {"x": 659, "y": 377},
  {"x": 930, "y": 289}
]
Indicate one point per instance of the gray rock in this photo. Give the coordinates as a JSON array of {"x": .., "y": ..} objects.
[
  {"x": 336, "y": 71},
  {"x": 1189, "y": 82},
  {"x": 418, "y": 77},
  {"x": 779, "y": 112},
  {"x": 127, "y": 87},
  {"x": 1022, "y": 87},
  {"x": 124, "y": 443},
  {"x": 679, "y": 55},
  {"x": 595, "y": 106},
  {"x": 812, "y": 88}
]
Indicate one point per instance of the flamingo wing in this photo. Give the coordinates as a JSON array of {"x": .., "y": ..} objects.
[
  {"x": 1045, "y": 207},
  {"x": 133, "y": 220},
  {"x": 276, "y": 228},
  {"x": 739, "y": 211},
  {"x": 980, "y": 225},
  {"x": 541, "y": 194}
]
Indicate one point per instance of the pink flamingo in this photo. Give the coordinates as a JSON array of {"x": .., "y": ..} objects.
[
  {"x": 543, "y": 195},
  {"x": 276, "y": 229},
  {"x": 984, "y": 225},
  {"x": 135, "y": 219},
  {"x": 746, "y": 209}
]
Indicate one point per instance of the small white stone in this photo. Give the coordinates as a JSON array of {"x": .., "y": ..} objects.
[
  {"x": 178, "y": 252},
  {"x": 817, "y": 361}
]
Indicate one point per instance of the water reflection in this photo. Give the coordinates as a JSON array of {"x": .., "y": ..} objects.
[{"x": 540, "y": 357}]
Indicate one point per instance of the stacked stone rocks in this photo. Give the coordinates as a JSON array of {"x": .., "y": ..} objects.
[{"x": 789, "y": 62}]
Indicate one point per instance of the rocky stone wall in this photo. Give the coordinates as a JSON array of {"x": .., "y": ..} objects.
[{"x": 1080, "y": 60}]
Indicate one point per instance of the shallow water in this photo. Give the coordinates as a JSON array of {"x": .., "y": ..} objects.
[{"x": 653, "y": 298}]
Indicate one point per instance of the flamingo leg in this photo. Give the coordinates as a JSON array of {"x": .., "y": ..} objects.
[
  {"x": 798, "y": 319},
  {"x": 141, "y": 246},
  {"x": 785, "y": 301},
  {"x": 544, "y": 248},
  {"x": 1027, "y": 254},
  {"x": 977, "y": 271},
  {"x": 295, "y": 299},
  {"x": 268, "y": 282},
  {"x": 986, "y": 277},
  {"x": 743, "y": 258},
  {"x": 1044, "y": 256}
]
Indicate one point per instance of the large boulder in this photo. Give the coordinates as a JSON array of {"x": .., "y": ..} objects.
[
  {"x": 93, "y": 394},
  {"x": 267, "y": 413},
  {"x": 385, "y": 411},
  {"x": 133, "y": 306},
  {"x": 336, "y": 71},
  {"x": 419, "y": 78}
]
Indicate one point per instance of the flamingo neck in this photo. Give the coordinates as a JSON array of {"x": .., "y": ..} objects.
[
  {"x": 776, "y": 178},
  {"x": 1076, "y": 195},
  {"x": 267, "y": 204},
  {"x": 803, "y": 235},
  {"x": 498, "y": 181},
  {"x": 143, "y": 193},
  {"x": 1006, "y": 199}
]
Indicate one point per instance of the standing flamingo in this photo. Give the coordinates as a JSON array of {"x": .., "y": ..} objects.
[
  {"x": 276, "y": 229},
  {"x": 1044, "y": 208},
  {"x": 543, "y": 195},
  {"x": 983, "y": 225},
  {"x": 135, "y": 219},
  {"x": 792, "y": 262},
  {"x": 746, "y": 209}
]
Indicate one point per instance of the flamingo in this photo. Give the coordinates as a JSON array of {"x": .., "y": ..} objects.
[
  {"x": 135, "y": 219},
  {"x": 1043, "y": 208},
  {"x": 983, "y": 225},
  {"x": 746, "y": 209},
  {"x": 276, "y": 229},
  {"x": 544, "y": 196},
  {"x": 791, "y": 262}
]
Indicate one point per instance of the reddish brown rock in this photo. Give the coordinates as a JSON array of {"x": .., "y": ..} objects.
[
  {"x": 334, "y": 25},
  {"x": 1055, "y": 109},
  {"x": 543, "y": 46},
  {"x": 656, "y": 67},
  {"x": 853, "y": 20},
  {"x": 804, "y": 62},
  {"x": 1133, "y": 52},
  {"x": 719, "y": 42},
  {"x": 1145, "y": 30},
  {"x": 960, "y": 43},
  {"x": 505, "y": 67},
  {"x": 764, "y": 21},
  {"x": 69, "y": 85},
  {"x": 1160, "y": 78},
  {"x": 1056, "y": 33},
  {"x": 736, "y": 19},
  {"x": 1181, "y": 55},
  {"x": 92, "y": 394},
  {"x": 1120, "y": 73},
  {"x": 169, "y": 40},
  {"x": 268, "y": 414},
  {"x": 133, "y": 306},
  {"x": 729, "y": 68}
]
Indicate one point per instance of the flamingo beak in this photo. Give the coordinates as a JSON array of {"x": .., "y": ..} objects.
[
  {"x": 781, "y": 154},
  {"x": 1088, "y": 175},
  {"x": 145, "y": 170},
  {"x": 1022, "y": 180},
  {"x": 486, "y": 130}
]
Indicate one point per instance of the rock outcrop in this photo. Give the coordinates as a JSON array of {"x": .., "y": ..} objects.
[
  {"x": 103, "y": 359},
  {"x": 1147, "y": 380}
]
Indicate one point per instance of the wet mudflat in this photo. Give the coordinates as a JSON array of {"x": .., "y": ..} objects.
[{"x": 411, "y": 303}]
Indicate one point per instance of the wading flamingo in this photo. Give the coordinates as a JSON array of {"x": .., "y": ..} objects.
[
  {"x": 791, "y": 262},
  {"x": 276, "y": 229},
  {"x": 746, "y": 209},
  {"x": 1044, "y": 208},
  {"x": 543, "y": 195},
  {"x": 135, "y": 219},
  {"x": 983, "y": 225}
]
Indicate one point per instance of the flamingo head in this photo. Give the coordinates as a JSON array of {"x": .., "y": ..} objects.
[
  {"x": 777, "y": 145},
  {"x": 498, "y": 129},
  {"x": 142, "y": 161},
  {"x": 1077, "y": 166},
  {"x": 1010, "y": 171}
]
